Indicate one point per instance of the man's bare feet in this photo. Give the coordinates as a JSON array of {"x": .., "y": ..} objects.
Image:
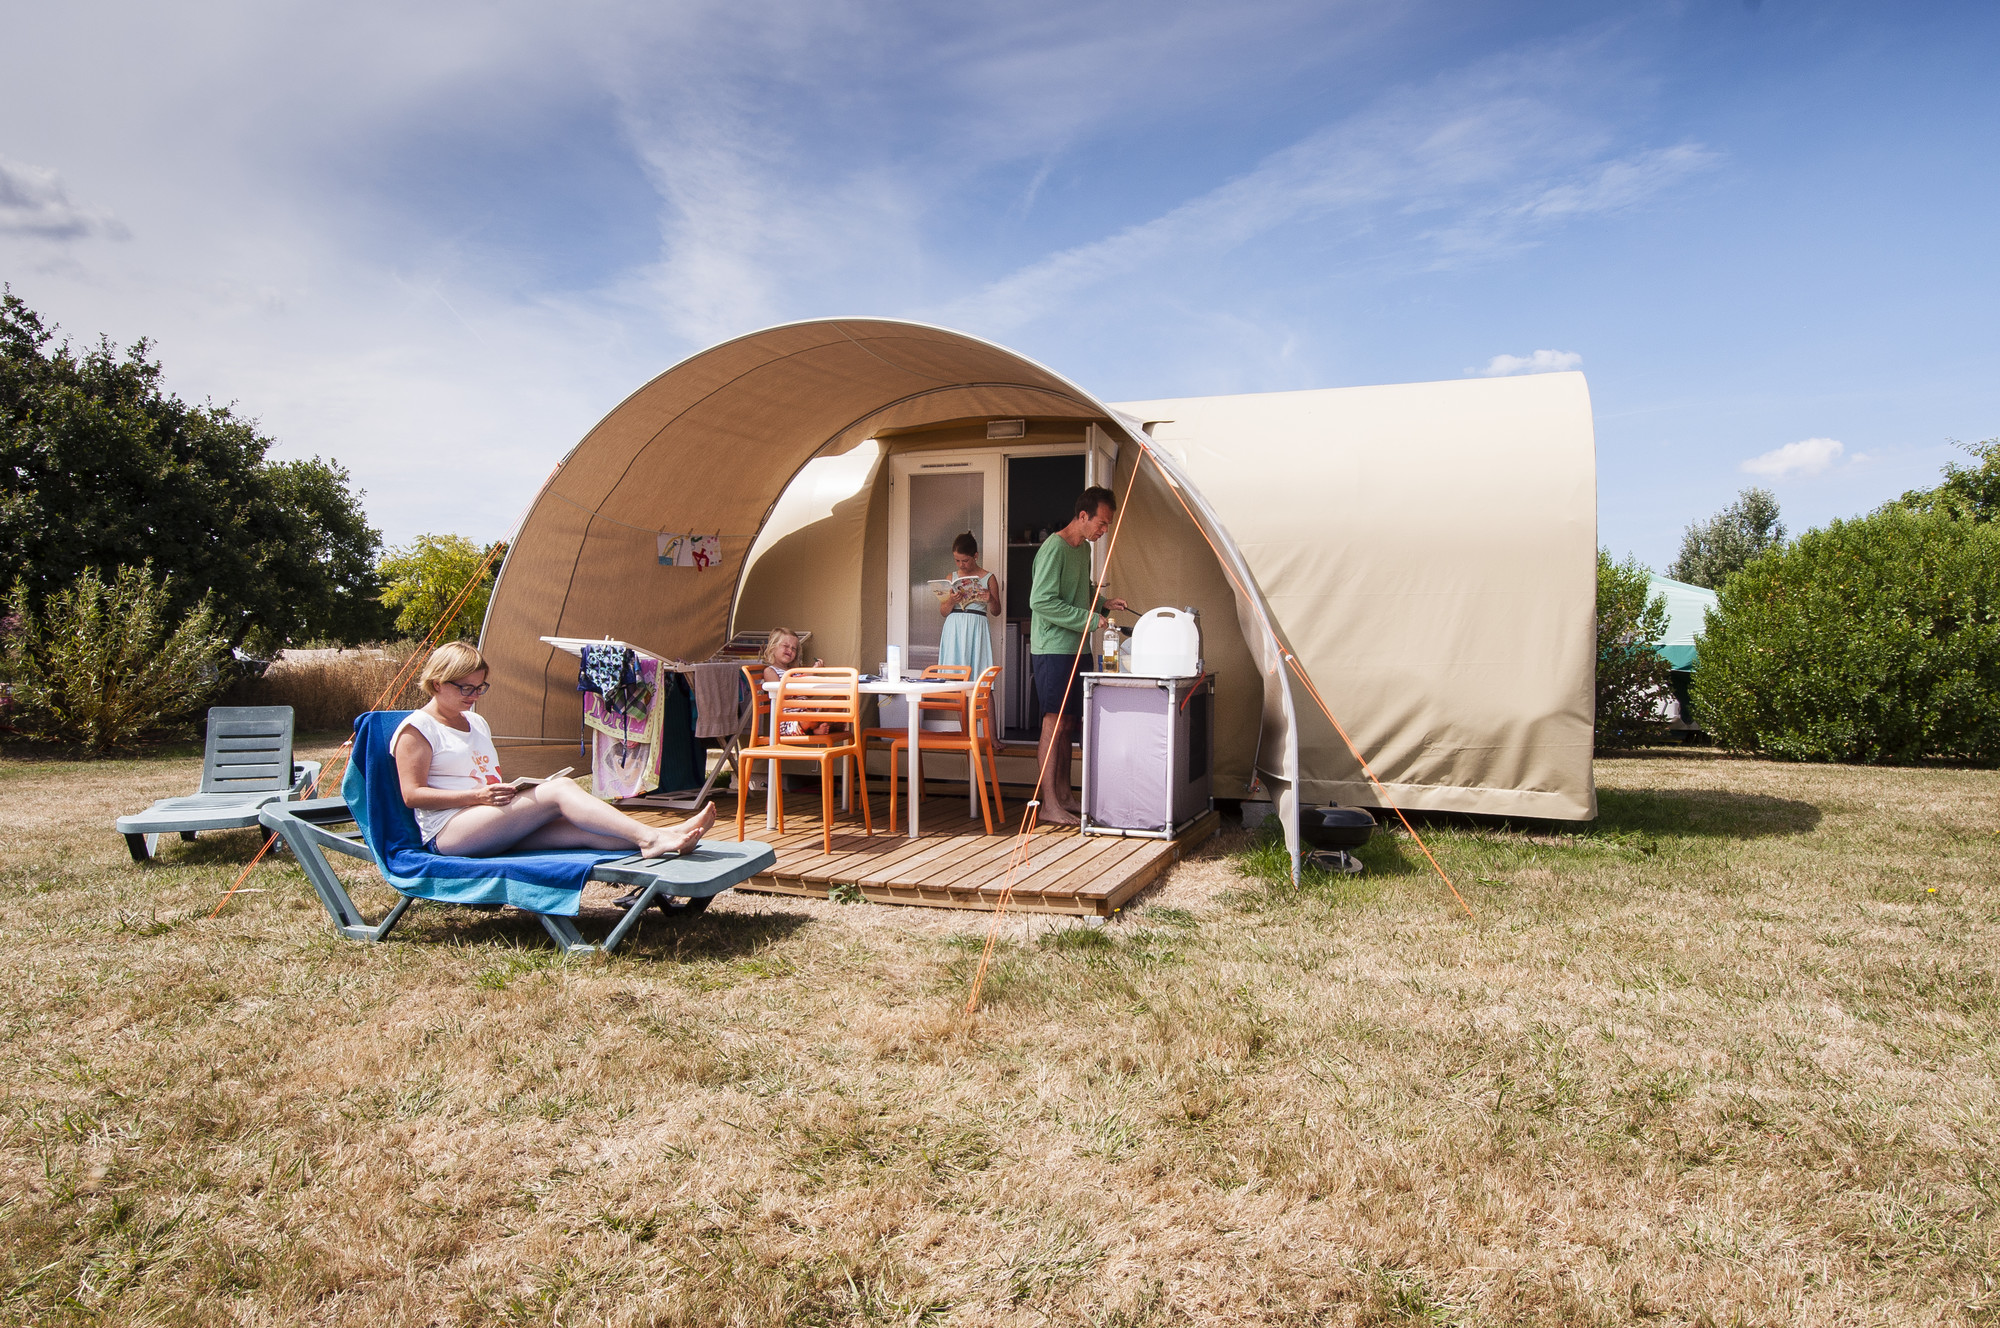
[
  {"x": 1054, "y": 813},
  {"x": 680, "y": 838}
]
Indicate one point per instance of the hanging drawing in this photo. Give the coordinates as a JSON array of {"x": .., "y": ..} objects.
[{"x": 697, "y": 551}]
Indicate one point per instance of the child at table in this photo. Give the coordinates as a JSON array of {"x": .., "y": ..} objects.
[{"x": 781, "y": 652}]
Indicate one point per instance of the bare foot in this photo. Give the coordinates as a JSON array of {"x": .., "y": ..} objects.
[
  {"x": 1054, "y": 813},
  {"x": 680, "y": 838}
]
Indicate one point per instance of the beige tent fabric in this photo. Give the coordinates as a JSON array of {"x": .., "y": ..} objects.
[
  {"x": 708, "y": 447},
  {"x": 1429, "y": 549}
]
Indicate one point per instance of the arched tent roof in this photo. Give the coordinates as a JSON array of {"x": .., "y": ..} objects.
[
  {"x": 710, "y": 445},
  {"x": 1428, "y": 549}
]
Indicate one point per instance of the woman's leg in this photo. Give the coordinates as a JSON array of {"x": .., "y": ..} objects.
[{"x": 542, "y": 808}]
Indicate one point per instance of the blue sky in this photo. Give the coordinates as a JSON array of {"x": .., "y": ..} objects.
[{"x": 438, "y": 242}]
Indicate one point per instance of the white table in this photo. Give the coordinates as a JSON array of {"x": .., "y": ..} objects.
[{"x": 911, "y": 688}]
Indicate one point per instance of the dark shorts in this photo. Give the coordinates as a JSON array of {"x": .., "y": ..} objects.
[{"x": 1056, "y": 673}]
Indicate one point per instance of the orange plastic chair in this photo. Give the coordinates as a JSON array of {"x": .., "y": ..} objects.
[
  {"x": 807, "y": 698},
  {"x": 979, "y": 742}
]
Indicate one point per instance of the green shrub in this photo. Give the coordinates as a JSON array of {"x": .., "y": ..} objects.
[
  {"x": 1876, "y": 639},
  {"x": 96, "y": 666},
  {"x": 1631, "y": 675}
]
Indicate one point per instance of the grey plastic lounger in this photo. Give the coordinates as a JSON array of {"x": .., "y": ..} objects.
[
  {"x": 546, "y": 883},
  {"x": 679, "y": 886},
  {"x": 246, "y": 764}
]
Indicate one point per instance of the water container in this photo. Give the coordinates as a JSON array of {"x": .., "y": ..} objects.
[{"x": 1166, "y": 643}]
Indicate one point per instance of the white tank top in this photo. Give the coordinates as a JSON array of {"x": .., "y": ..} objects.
[{"x": 458, "y": 761}]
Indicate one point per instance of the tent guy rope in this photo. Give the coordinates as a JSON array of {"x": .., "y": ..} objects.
[{"x": 1019, "y": 856}]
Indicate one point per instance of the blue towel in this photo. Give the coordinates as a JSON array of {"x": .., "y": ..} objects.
[{"x": 549, "y": 882}]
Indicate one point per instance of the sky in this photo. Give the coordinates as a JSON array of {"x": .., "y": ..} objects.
[{"x": 438, "y": 241}]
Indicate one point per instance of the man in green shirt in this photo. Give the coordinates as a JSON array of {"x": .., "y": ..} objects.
[{"x": 1063, "y": 608}]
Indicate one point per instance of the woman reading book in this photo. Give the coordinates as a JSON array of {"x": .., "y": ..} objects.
[
  {"x": 450, "y": 775},
  {"x": 969, "y": 600}
]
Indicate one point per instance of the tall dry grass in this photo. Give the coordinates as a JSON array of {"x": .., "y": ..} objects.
[
  {"x": 1730, "y": 1057},
  {"x": 326, "y": 689}
]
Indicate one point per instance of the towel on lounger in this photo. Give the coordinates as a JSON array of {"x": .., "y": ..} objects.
[{"x": 545, "y": 882}]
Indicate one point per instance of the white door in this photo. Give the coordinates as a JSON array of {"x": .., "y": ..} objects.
[{"x": 934, "y": 498}]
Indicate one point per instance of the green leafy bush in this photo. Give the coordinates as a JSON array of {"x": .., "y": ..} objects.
[
  {"x": 422, "y": 578},
  {"x": 96, "y": 666},
  {"x": 1631, "y": 675},
  {"x": 1876, "y": 639}
]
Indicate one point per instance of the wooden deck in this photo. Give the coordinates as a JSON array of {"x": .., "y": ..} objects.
[{"x": 953, "y": 864}]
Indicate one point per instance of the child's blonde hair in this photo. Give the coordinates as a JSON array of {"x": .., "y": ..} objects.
[
  {"x": 778, "y": 634},
  {"x": 453, "y": 659}
]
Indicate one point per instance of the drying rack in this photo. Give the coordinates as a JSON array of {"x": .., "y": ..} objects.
[{"x": 680, "y": 801}]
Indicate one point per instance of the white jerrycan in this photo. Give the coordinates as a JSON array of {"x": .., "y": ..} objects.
[{"x": 1166, "y": 643}]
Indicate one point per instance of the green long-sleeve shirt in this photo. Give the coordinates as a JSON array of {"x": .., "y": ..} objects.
[{"x": 1059, "y": 597}]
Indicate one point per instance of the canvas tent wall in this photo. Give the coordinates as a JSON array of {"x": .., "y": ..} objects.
[
  {"x": 1687, "y": 611},
  {"x": 1427, "y": 550}
]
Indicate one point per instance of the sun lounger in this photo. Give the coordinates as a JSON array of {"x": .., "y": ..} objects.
[
  {"x": 548, "y": 884},
  {"x": 246, "y": 764}
]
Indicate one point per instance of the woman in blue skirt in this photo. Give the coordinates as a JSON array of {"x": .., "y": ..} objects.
[{"x": 968, "y": 605}]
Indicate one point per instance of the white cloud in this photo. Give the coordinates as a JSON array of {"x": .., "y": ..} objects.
[
  {"x": 1800, "y": 460},
  {"x": 1542, "y": 361},
  {"x": 34, "y": 204},
  {"x": 1494, "y": 150}
]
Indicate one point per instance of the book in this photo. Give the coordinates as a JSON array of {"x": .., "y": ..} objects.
[{"x": 526, "y": 780}]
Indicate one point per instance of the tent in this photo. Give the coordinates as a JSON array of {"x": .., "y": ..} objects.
[
  {"x": 1687, "y": 613},
  {"x": 1424, "y": 552},
  {"x": 1687, "y": 609}
]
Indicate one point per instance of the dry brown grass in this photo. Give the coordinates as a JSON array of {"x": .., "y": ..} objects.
[
  {"x": 1730, "y": 1058},
  {"x": 329, "y": 688}
]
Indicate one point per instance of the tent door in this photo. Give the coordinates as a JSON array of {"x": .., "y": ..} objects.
[{"x": 934, "y": 497}]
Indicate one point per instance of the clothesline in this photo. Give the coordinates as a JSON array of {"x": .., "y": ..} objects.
[{"x": 599, "y": 516}]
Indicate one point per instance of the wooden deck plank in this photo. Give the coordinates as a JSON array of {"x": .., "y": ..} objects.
[
  {"x": 1079, "y": 849},
  {"x": 854, "y": 863},
  {"x": 956, "y": 869},
  {"x": 1109, "y": 895},
  {"x": 955, "y": 864},
  {"x": 1094, "y": 858},
  {"x": 1101, "y": 866},
  {"x": 906, "y": 867}
]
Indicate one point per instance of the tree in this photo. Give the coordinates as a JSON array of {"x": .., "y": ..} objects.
[
  {"x": 100, "y": 467},
  {"x": 1971, "y": 493},
  {"x": 331, "y": 561},
  {"x": 1631, "y": 673},
  {"x": 1876, "y": 639},
  {"x": 1712, "y": 550},
  {"x": 96, "y": 665},
  {"x": 421, "y": 579}
]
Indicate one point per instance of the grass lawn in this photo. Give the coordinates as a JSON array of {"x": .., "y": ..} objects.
[{"x": 1728, "y": 1056}]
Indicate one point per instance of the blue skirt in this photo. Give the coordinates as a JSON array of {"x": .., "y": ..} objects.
[{"x": 967, "y": 638}]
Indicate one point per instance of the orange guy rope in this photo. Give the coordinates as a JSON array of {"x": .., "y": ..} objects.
[
  {"x": 1304, "y": 677},
  {"x": 1018, "y": 857}
]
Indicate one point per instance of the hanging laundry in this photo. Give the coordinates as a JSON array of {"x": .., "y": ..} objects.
[{"x": 622, "y": 728}]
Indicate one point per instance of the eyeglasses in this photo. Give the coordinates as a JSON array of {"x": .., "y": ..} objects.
[{"x": 471, "y": 693}]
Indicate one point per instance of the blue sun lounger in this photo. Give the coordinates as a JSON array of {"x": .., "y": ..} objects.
[
  {"x": 246, "y": 763},
  {"x": 548, "y": 884}
]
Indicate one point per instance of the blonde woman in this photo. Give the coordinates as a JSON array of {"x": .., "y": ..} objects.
[{"x": 450, "y": 776}]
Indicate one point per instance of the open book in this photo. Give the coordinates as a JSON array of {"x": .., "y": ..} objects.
[{"x": 525, "y": 780}]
